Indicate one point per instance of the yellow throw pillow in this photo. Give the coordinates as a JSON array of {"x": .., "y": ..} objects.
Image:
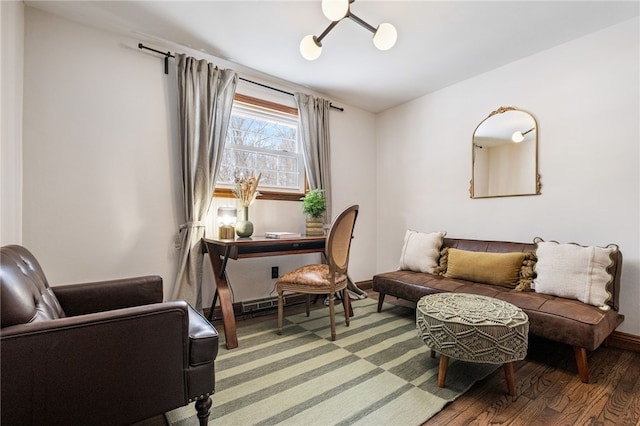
[{"x": 490, "y": 268}]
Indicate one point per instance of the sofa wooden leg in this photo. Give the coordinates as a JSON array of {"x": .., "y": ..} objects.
[
  {"x": 581, "y": 361},
  {"x": 380, "y": 301},
  {"x": 203, "y": 408}
]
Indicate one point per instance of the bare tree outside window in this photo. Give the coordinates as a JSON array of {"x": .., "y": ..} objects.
[{"x": 266, "y": 142}]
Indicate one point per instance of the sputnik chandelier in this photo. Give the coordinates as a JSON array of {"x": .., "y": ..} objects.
[{"x": 384, "y": 36}]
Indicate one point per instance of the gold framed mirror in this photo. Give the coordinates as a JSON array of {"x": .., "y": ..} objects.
[{"x": 505, "y": 155}]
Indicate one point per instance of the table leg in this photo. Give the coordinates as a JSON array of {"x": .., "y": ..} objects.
[
  {"x": 511, "y": 377},
  {"x": 213, "y": 304},
  {"x": 442, "y": 370},
  {"x": 224, "y": 293}
]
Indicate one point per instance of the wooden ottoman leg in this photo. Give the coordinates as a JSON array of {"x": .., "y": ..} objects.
[
  {"x": 432, "y": 353},
  {"x": 511, "y": 378},
  {"x": 442, "y": 371}
]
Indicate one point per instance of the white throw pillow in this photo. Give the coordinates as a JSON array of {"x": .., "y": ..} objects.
[
  {"x": 574, "y": 271},
  {"x": 421, "y": 251}
]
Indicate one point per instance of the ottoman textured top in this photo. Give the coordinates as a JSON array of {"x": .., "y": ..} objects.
[{"x": 471, "y": 327}]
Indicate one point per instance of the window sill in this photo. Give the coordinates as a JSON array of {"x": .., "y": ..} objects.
[{"x": 264, "y": 195}]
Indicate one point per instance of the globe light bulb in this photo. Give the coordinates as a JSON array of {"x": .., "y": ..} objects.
[
  {"x": 335, "y": 10},
  {"x": 385, "y": 36},
  {"x": 310, "y": 48},
  {"x": 517, "y": 137}
]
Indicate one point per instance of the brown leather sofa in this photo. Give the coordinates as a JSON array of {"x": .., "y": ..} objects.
[
  {"x": 568, "y": 321},
  {"x": 106, "y": 353}
]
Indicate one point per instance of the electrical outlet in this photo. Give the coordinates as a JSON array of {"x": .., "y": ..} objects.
[{"x": 275, "y": 272}]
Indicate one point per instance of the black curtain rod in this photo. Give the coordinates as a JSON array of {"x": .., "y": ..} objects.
[{"x": 168, "y": 55}]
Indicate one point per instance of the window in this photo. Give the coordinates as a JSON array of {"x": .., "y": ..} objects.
[{"x": 263, "y": 138}]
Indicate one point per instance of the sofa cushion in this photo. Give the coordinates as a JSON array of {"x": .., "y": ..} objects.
[
  {"x": 575, "y": 272},
  {"x": 490, "y": 268},
  {"x": 421, "y": 251}
]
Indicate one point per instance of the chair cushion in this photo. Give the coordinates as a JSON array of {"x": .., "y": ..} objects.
[
  {"x": 25, "y": 293},
  {"x": 312, "y": 277}
]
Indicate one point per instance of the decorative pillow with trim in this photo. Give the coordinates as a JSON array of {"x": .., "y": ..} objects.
[
  {"x": 501, "y": 269},
  {"x": 527, "y": 272},
  {"x": 421, "y": 251},
  {"x": 574, "y": 271},
  {"x": 441, "y": 269}
]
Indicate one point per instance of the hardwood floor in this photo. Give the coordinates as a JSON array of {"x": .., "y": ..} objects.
[{"x": 548, "y": 389}]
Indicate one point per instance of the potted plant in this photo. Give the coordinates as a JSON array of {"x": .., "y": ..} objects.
[{"x": 314, "y": 204}]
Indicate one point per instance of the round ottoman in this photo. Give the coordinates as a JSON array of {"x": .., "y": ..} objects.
[{"x": 474, "y": 328}]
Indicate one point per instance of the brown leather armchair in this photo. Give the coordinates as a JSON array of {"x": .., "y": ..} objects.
[{"x": 98, "y": 353}]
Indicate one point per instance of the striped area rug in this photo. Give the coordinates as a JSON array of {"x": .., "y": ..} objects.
[{"x": 377, "y": 372}]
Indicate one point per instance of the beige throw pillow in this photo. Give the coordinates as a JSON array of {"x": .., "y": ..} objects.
[
  {"x": 574, "y": 271},
  {"x": 421, "y": 251},
  {"x": 490, "y": 268}
]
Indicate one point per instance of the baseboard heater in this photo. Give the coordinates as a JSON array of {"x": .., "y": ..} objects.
[
  {"x": 255, "y": 305},
  {"x": 260, "y": 304}
]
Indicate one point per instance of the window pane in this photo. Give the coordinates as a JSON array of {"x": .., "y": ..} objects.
[{"x": 266, "y": 142}]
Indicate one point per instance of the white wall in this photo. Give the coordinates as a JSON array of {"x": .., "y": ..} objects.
[
  {"x": 585, "y": 97},
  {"x": 102, "y": 195},
  {"x": 11, "y": 54}
]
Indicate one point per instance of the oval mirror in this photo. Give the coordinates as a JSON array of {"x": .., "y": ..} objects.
[{"x": 505, "y": 155}]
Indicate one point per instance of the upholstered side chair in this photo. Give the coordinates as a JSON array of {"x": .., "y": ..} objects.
[
  {"x": 106, "y": 353},
  {"x": 328, "y": 278}
]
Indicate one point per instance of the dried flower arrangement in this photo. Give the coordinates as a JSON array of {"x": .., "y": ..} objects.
[{"x": 246, "y": 188}]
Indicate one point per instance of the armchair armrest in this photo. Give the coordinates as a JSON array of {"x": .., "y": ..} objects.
[
  {"x": 85, "y": 298},
  {"x": 78, "y": 369}
]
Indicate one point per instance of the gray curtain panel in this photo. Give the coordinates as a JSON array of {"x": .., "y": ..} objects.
[
  {"x": 205, "y": 98},
  {"x": 314, "y": 125}
]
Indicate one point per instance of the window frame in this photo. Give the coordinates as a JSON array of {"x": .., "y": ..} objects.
[{"x": 223, "y": 192}]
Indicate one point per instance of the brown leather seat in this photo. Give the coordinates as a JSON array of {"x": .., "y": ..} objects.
[{"x": 98, "y": 353}]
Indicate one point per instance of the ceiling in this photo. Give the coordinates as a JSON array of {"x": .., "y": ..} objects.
[{"x": 439, "y": 42}]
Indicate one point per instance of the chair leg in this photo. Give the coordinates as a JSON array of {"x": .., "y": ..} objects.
[
  {"x": 308, "y": 304},
  {"x": 203, "y": 408},
  {"x": 332, "y": 315},
  {"x": 346, "y": 305},
  {"x": 280, "y": 311}
]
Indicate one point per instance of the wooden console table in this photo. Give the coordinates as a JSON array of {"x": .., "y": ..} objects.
[{"x": 220, "y": 251}]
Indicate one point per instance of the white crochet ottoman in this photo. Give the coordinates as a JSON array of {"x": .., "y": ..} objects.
[{"x": 474, "y": 328}]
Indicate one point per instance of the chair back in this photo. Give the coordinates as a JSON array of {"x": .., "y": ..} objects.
[
  {"x": 24, "y": 291},
  {"x": 339, "y": 239}
]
